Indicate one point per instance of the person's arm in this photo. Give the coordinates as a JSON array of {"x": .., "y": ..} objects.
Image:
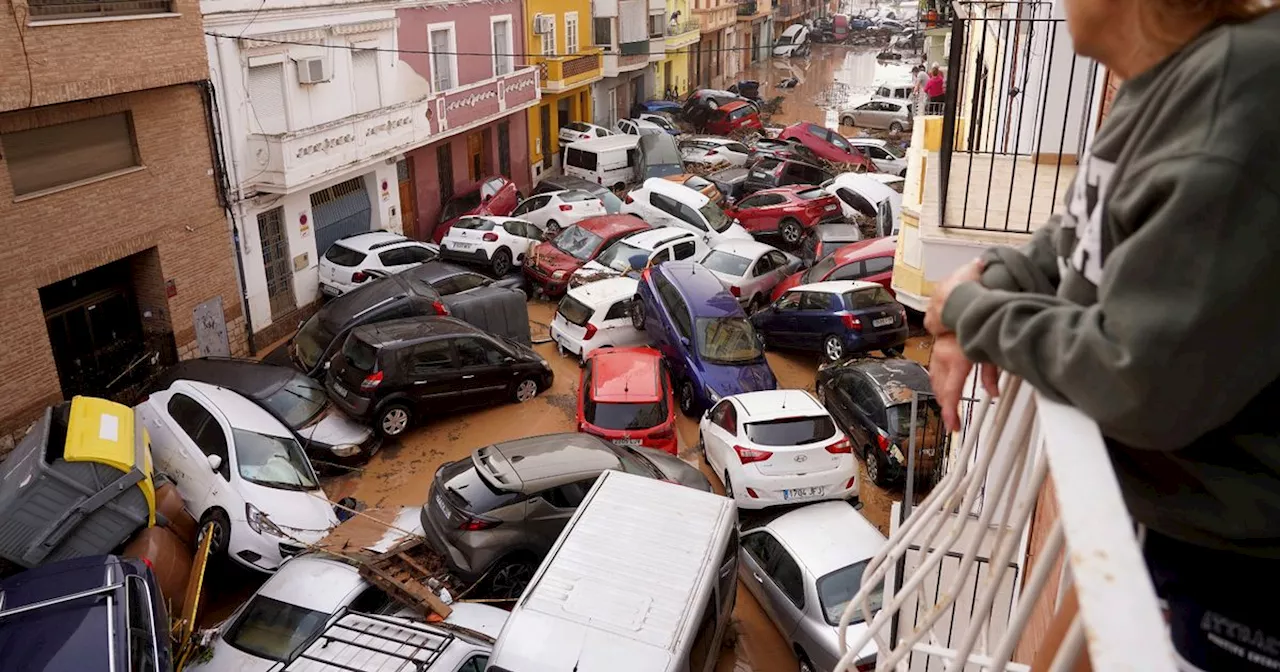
[
  {"x": 1030, "y": 268},
  {"x": 1184, "y": 332}
]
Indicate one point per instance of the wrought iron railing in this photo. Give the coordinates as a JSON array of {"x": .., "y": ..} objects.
[
  {"x": 747, "y": 8},
  {"x": 76, "y": 9},
  {"x": 683, "y": 27}
]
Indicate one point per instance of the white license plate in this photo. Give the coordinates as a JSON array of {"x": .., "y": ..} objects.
[
  {"x": 329, "y": 289},
  {"x": 882, "y": 322},
  {"x": 830, "y": 208},
  {"x": 804, "y": 493},
  {"x": 463, "y": 246},
  {"x": 632, "y": 443},
  {"x": 342, "y": 391}
]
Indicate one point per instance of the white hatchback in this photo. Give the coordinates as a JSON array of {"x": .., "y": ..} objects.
[
  {"x": 554, "y": 211},
  {"x": 637, "y": 251},
  {"x": 707, "y": 150},
  {"x": 240, "y": 468},
  {"x": 348, "y": 262},
  {"x": 496, "y": 242},
  {"x": 596, "y": 315},
  {"x": 581, "y": 130},
  {"x": 664, "y": 203},
  {"x": 777, "y": 447},
  {"x": 639, "y": 127},
  {"x": 750, "y": 270},
  {"x": 888, "y": 159}
]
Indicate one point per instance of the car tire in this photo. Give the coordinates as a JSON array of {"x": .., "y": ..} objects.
[
  {"x": 688, "y": 399},
  {"x": 832, "y": 348},
  {"x": 221, "y": 531},
  {"x": 553, "y": 228},
  {"x": 791, "y": 232},
  {"x": 525, "y": 390},
  {"x": 637, "y": 314},
  {"x": 394, "y": 419},
  {"x": 847, "y": 121},
  {"x": 877, "y": 470},
  {"x": 895, "y": 127},
  {"x": 803, "y": 662},
  {"x": 509, "y": 578},
  {"x": 501, "y": 262},
  {"x": 895, "y": 351}
]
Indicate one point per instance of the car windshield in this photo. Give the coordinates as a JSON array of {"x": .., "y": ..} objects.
[
  {"x": 663, "y": 123},
  {"x": 839, "y": 141},
  {"x": 343, "y": 256},
  {"x": 574, "y": 311},
  {"x": 893, "y": 150},
  {"x": 577, "y": 242},
  {"x": 578, "y": 126},
  {"x": 819, "y": 270},
  {"x": 727, "y": 340},
  {"x": 928, "y": 416},
  {"x": 621, "y": 256},
  {"x": 612, "y": 204},
  {"x": 311, "y": 340},
  {"x": 272, "y": 461},
  {"x": 783, "y": 41},
  {"x": 634, "y": 463},
  {"x": 724, "y": 262},
  {"x": 791, "y": 431},
  {"x": 298, "y": 401},
  {"x": 871, "y": 297},
  {"x": 273, "y": 629},
  {"x": 837, "y": 588},
  {"x": 625, "y": 416},
  {"x": 473, "y": 223},
  {"x": 715, "y": 217}
]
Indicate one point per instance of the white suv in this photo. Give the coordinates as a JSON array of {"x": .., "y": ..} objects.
[
  {"x": 665, "y": 203},
  {"x": 496, "y": 242},
  {"x": 348, "y": 262},
  {"x": 637, "y": 251}
]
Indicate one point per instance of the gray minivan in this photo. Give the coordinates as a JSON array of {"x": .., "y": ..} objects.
[{"x": 659, "y": 156}]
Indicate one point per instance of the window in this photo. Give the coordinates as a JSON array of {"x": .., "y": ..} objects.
[
  {"x": 444, "y": 62},
  {"x": 619, "y": 310},
  {"x": 655, "y": 25},
  {"x": 791, "y": 431},
  {"x": 402, "y": 256},
  {"x": 676, "y": 307},
  {"x": 51, "y": 156},
  {"x": 530, "y": 204},
  {"x": 850, "y": 271},
  {"x": 266, "y": 97},
  {"x": 569, "y": 495},
  {"x": 503, "y": 50},
  {"x": 602, "y": 31},
  {"x": 791, "y": 300},
  {"x": 142, "y": 649},
  {"x": 432, "y": 357},
  {"x": 203, "y": 429},
  {"x": 549, "y": 39},
  {"x": 570, "y": 33},
  {"x": 578, "y": 158},
  {"x": 444, "y": 166},
  {"x": 474, "y": 664},
  {"x": 273, "y": 629},
  {"x": 372, "y": 601},
  {"x": 364, "y": 76},
  {"x": 700, "y": 653},
  {"x": 774, "y": 560},
  {"x": 476, "y": 352},
  {"x": 878, "y": 265},
  {"x": 872, "y": 297},
  {"x": 725, "y": 416},
  {"x": 344, "y": 256},
  {"x": 460, "y": 283},
  {"x": 95, "y": 9},
  {"x": 504, "y": 147},
  {"x": 729, "y": 567},
  {"x": 684, "y": 250}
]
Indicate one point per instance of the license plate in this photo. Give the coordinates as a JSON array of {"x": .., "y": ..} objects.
[
  {"x": 631, "y": 443},
  {"x": 882, "y": 322},
  {"x": 830, "y": 208},
  {"x": 342, "y": 391},
  {"x": 328, "y": 289},
  {"x": 803, "y": 493},
  {"x": 463, "y": 246}
]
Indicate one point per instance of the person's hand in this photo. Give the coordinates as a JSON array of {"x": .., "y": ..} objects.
[
  {"x": 933, "y": 316},
  {"x": 948, "y": 369}
]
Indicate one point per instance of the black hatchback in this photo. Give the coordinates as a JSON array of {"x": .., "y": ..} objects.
[
  {"x": 397, "y": 372},
  {"x": 769, "y": 173}
]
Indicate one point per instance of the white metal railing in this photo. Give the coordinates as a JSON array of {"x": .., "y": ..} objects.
[{"x": 979, "y": 513}]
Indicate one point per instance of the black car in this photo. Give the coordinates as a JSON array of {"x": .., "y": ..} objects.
[
  {"x": 294, "y": 398},
  {"x": 732, "y": 183},
  {"x": 871, "y": 401},
  {"x": 450, "y": 279},
  {"x": 612, "y": 204},
  {"x": 824, "y": 239},
  {"x": 769, "y": 173},
  {"x": 770, "y": 148},
  {"x": 393, "y": 373}
]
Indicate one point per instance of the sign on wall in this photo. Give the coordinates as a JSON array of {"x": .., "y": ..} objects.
[{"x": 211, "y": 329}]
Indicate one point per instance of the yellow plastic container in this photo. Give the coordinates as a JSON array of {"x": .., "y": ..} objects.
[{"x": 104, "y": 431}]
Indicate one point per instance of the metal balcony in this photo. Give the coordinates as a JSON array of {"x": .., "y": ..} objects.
[{"x": 79, "y": 9}]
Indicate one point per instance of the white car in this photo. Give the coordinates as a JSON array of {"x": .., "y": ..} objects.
[
  {"x": 713, "y": 151},
  {"x": 888, "y": 158},
  {"x": 664, "y": 203},
  {"x": 554, "y": 210},
  {"x": 660, "y": 121},
  {"x": 639, "y": 127},
  {"x": 894, "y": 182},
  {"x": 240, "y": 468},
  {"x": 871, "y": 197},
  {"x": 777, "y": 447},
  {"x": 581, "y": 130},
  {"x": 750, "y": 270},
  {"x": 348, "y": 262},
  {"x": 496, "y": 242},
  {"x": 294, "y": 607},
  {"x": 637, "y": 251},
  {"x": 794, "y": 41},
  {"x": 594, "y": 316}
]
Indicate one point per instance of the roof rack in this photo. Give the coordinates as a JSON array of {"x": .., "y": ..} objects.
[{"x": 357, "y": 642}]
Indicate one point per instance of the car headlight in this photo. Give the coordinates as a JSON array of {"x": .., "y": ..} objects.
[
  {"x": 559, "y": 274},
  {"x": 258, "y": 521},
  {"x": 345, "y": 450},
  {"x": 712, "y": 395}
]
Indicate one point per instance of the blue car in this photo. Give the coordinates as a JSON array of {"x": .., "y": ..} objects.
[
  {"x": 658, "y": 106},
  {"x": 837, "y": 318},
  {"x": 100, "y": 612},
  {"x": 702, "y": 332}
]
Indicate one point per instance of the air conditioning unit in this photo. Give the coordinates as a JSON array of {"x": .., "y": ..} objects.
[
  {"x": 313, "y": 70},
  {"x": 544, "y": 24}
]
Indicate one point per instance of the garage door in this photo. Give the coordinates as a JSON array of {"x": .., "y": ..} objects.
[{"x": 338, "y": 211}]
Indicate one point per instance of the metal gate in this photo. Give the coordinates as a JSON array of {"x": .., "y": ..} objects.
[
  {"x": 275, "y": 262},
  {"x": 338, "y": 211}
]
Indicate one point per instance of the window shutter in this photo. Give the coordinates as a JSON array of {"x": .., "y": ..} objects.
[
  {"x": 364, "y": 68},
  {"x": 266, "y": 96}
]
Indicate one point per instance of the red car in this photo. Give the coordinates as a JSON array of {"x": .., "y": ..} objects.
[
  {"x": 495, "y": 196},
  {"x": 733, "y": 116},
  {"x": 868, "y": 260},
  {"x": 625, "y": 397},
  {"x": 827, "y": 144},
  {"x": 551, "y": 263},
  {"x": 785, "y": 211}
]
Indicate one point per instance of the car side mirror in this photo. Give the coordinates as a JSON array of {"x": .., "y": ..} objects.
[{"x": 215, "y": 462}]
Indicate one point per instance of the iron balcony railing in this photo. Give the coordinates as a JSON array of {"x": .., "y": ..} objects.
[
  {"x": 1017, "y": 110},
  {"x": 747, "y": 8},
  {"x": 76, "y": 9},
  {"x": 674, "y": 29}
]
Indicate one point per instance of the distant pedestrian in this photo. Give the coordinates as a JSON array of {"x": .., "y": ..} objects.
[{"x": 936, "y": 87}]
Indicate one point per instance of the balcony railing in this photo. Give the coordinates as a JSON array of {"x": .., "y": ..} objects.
[
  {"x": 634, "y": 48},
  {"x": 1015, "y": 118},
  {"x": 747, "y": 8},
  {"x": 77, "y": 9},
  {"x": 561, "y": 72},
  {"x": 675, "y": 29},
  {"x": 951, "y": 571}
]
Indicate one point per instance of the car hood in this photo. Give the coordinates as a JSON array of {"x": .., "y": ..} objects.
[
  {"x": 676, "y": 469},
  {"x": 787, "y": 283},
  {"x": 291, "y": 510},
  {"x": 549, "y": 258},
  {"x": 334, "y": 428},
  {"x": 727, "y": 379},
  {"x": 734, "y": 232},
  {"x": 227, "y": 658}
]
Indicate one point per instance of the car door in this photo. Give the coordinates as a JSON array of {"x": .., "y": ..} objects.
[
  {"x": 849, "y": 271},
  {"x": 778, "y": 321},
  {"x": 719, "y": 435},
  {"x": 815, "y": 319},
  {"x": 662, "y": 211},
  {"x": 752, "y": 211},
  {"x": 548, "y": 511},
  {"x": 678, "y": 328},
  {"x": 403, "y": 258},
  {"x": 756, "y": 280},
  {"x": 738, "y": 153},
  {"x": 862, "y": 408},
  {"x": 878, "y": 270},
  {"x": 685, "y": 249},
  {"x": 615, "y": 327},
  {"x": 532, "y": 209},
  {"x": 483, "y": 370},
  {"x": 432, "y": 380},
  {"x": 864, "y": 114},
  {"x": 199, "y": 435},
  {"x": 774, "y": 578},
  {"x": 521, "y": 239}
]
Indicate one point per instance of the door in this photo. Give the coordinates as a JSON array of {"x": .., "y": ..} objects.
[
  {"x": 408, "y": 196},
  {"x": 434, "y": 382},
  {"x": 484, "y": 373},
  {"x": 775, "y": 579},
  {"x": 499, "y": 196},
  {"x": 276, "y": 264},
  {"x": 547, "y": 512},
  {"x": 198, "y": 435},
  {"x": 340, "y": 210},
  {"x": 761, "y": 278},
  {"x": 530, "y": 209},
  {"x": 404, "y": 258},
  {"x": 781, "y": 321},
  {"x": 815, "y": 319},
  {"x": 666, "y": 76},
  {"x": 475, "y": 155},
  {"x": 544, "y": 121},
  {"x": 720, "y": 434}
]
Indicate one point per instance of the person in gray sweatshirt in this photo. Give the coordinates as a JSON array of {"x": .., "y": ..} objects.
[{"x": 1151, "y": 302}]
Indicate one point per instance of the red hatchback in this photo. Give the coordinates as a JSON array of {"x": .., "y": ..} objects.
[
  {"x": 787, "y": 211},
  {"x": 868, "y": 260},
  {"x": 733, "y": 116},
  {"x": 551, "y": 263},
  {"x": 827, "y": 144},
  {"x": 625, "y": 397},
  {"x": 495, "y": 196}
]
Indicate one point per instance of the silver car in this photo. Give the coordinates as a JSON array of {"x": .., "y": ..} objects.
[
  {"x": 891, "y": 114},
  {"x": 804, "y": 576}
]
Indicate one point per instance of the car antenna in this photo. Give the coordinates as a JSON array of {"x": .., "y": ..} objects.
[{"x": 784, "y": 401}]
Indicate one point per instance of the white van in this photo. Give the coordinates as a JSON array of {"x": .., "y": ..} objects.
[
  {"x": 613, "y": 162},
  {"x": 642, "y": 579}
]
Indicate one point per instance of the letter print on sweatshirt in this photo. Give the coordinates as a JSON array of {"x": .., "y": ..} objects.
[{"x": 1085, "y": 214}]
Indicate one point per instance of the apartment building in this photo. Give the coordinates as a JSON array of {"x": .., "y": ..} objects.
[
  {"x": 675, "y": 70},
  {"x": 118, "y": 255},
  {"x": 559, "y": 33},
  {"x": 631, "y": 34},
  {"x": 715, "y": 56}
]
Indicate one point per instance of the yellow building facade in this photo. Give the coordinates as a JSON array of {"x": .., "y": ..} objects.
[
  {"x": 682, "y": 32},
  {"x": 558, "y": 35}
]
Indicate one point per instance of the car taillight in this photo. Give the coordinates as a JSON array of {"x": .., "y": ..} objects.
[
  {"x": 752, "y": 494},
  {"x": 842, "y": 446},
  {"x": 852, "y": 480},
  {"x": 565, "y": 207},
  {"x": 359, "y": 276},
  {"x": 851, "y": 322},
  {"x": 478, "y": 524},
  {"x": 439, "y": 307},
  {"x": 491, "y": 237},
  {"x": 883, "y": 441},
  {"x": 591, "y": 331},
  {"x": 749, "y": 455},
  {"x": 735, "y": 290},
  {"x": 371, "y": 381},
  {"x": 628, "y": 199}
]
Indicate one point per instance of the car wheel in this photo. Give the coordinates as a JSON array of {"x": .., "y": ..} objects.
[
  {"x": 637, "y": 314},
  {"x": 501, "y": 262},
  {"x": 755, "y": 304},
  {"x": 847, "y": 121},
  {"x": 394, "y": 419},
  {"x": 833, "y": 349},
  {"x": 553, "y": 228},
  {"x": 221, "y": 524},
  {"x": 805, "y": 665},
  {"x": 510, "y": 578},
  {"x": 688, "y": 400},
  {"x": 895, "y": 351},
  {"x": 876, "y": 468},
  {"x": 790, "y": 231},
  {"x": 895, "y": 127},
  {"x": 525, "y": 390}
]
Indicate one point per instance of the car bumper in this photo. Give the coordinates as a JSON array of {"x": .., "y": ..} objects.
[
  {"x": 892, "y": 338},
  {"x": 459, "y": 564},
  {"x": 476, "y": 256},
  {"x": 266, "y": 552},
  {"x": 549, "y": 286},
  {"x": 566, "y": 343},
  {"x": 354, "y": 405},
  {"x": 322, "y": 453},
  {"x": 332, "y": 289},
  {"x": 773, "y": 490}
]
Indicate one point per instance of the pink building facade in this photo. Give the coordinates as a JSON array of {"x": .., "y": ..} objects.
[{"x": 478, "y": 111}]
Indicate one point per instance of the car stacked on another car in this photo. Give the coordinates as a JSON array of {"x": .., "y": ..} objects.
[
  {"x": 837, "y": 318},
  {"x": 770, "y": 173},
  {"x": 496, "y": 195},
  {"x": 553, "y": 210},
  {"x": 352, "y": 261},
  {"x": 625, "y": 396},
  {"x": 749, "y": 269},
  {"x": 825, "y": 239},
  {"x": 596, "y": 315},
  {"x": 664, "y": 203},
  {"x": 495, "y": 242},
  {"x": 827, "y": 144},
  {"x": 637, "y": 251},
  {"x": 639, "y": 127},
  {"x": 552, "y": 263},
  {"x": 612, "y": 204},
  {"x": 868, "y": 260},
  {"x": 786, "y": 212},
  {"x": 886, "y": 155},
  {"x": 581, "y": 130},
  {"x": 710, "y": 150},
  {"x": 771, "y": 148},
  {"x": 698, "y": 183},
  {"x": 734, "y": 117}
]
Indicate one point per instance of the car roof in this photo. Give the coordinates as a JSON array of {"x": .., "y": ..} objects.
[
  {"x": 788, "y": 189},
  {"x": 806, "y": 531},
  {"x": 704, "y": 294},
  {"x": 608, "y": 143},
  {"x": 535, "y": 463},
  {"x": 742, "y": 247},
  {"x": 313, "y": 582},
  {"x": 767, "y": 405},
  {"x": 627, "y": 375},
  {"x": 436, "y": 270},
  {"x": 239, "y": 411},
  {"x": 870, "y": 142},
  {"x": 835, "y": 286},
  {"x": 686, "y": 195},
  {"x": 496, "y": 219},
  {"x": 650, "y": 239},
  {"x": 716, "y": 139},
  {"x": 660, "y": 147},
  {"x": 562, "y": 182},
  {"x": 610, "y": 226},
  {"x": 872, "y": 247},
  {"x": 412, "y": 330},
  {"x": 643, "y": 123},
  {"x": 606, "y": 291},
  {"x": 735, "y": 105},
  {"x": 246, "y": 376},
  {"x": 896, "y": 378},
  {"x": 796, "y": 26},
  {"x": 364, "y": 242}
]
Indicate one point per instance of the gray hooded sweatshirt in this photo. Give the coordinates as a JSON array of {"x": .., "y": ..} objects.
[{"x": 1151, "y": 302}]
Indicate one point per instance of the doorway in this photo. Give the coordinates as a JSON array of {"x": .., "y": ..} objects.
[
  {"x": 275, "y": 263},
  {"x": 544, "y": 119},
  {"x": 475, "y": 154},
  {"x": 408, "y": 196},
  {"x": 668, "y": 83},
  {"x": 339, "y": 211}
]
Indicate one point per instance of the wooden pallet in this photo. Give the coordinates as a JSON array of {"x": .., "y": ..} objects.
[{"x": 402, "y": 572}]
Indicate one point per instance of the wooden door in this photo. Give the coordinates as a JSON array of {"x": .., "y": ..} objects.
[
  {"x": 475, "y": 152},
  {"x": 408, "y": 197}
]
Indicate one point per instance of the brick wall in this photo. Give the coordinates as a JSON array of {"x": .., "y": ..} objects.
[
  {"x": 44, "y": 64},
  {"x": 168, "y": 204}
]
